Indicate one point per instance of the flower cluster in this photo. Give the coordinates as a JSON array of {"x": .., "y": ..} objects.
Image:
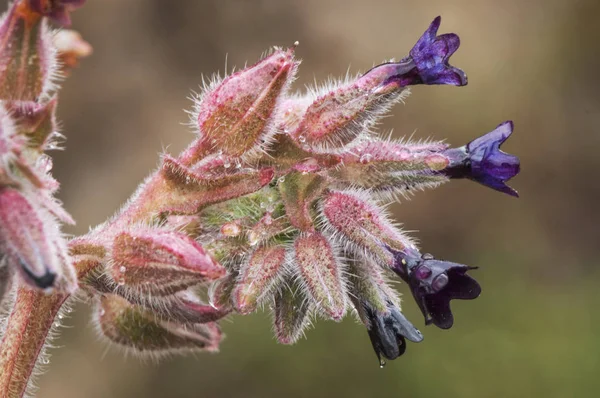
[{"x": 279, "y": 202}]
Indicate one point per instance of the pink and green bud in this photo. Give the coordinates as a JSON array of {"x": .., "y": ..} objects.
[
  {"x": 30, "y": 237},
  {"x": 27, "y": 55},
  {"x": 182, "y": 191},
  {"x": 57, "y": 10},
  {"x": 364, "y": 224},
  {"x": 291, "y": 315},
  {"x": 299, "y": 191},
  {"x": 320, "y": 273},
  {"x": 236, "y": 116},
  {"x": 135, "y": 328},
  {"x": 160, "y": 262},
  {"x": 257, "y": 277}
]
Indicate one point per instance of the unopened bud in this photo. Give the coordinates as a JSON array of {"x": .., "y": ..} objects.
[
  {"x": 321, "y": 274},
  {"x": 27, "y": 56},
  {"x": 236, "y": 116},
  {"x": 257, "y": 277},
  {"x": 160, "y": 262},
  {"x": 291, "y": 313},
  {"x": 136, "y": 328}
]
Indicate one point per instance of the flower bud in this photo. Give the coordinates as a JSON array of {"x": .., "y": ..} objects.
[
  {"x": 27, "y": 56},
  {"x": 138, "y": 329},
  {"x": 363, "y": 224},
  {"x": 236, "y": 116},
  {"x": 160, "y": 262},
  {"x": 320, "y": 273},
  {"x": 31, "y": 239},
  {"x": 257, "y": 278}
]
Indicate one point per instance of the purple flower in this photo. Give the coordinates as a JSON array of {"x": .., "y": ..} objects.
[
  {"x": 482, "y": 160},
  {"x": 434, "y": 283},
  {"x": 389, "y": 330},
  {"x": 427, "y": 62}
]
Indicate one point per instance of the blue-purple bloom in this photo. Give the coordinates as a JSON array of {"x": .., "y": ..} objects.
[
  {"x": 482, "y": 160},
  {"x": 427, "y": 62},
  {"x": 389, "y": 330},
  {"x": 434, "y": 283}
]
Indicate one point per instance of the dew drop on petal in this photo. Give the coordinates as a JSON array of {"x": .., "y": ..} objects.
[
  {"x": 122, "y": 269},
  {"x": 281, "y": 179},
  {"x": 381, "y": 363},
  {"x": 302, "y": 138}
]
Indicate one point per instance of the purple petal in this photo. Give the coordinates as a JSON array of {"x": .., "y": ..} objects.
[{"x": 482, "y": 160}]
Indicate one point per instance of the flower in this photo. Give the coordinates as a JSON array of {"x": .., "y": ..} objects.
[
  {"x": 388, "y": 331},
  {"x": 482, "y": 160},
  {"x": 434, "y": 283},
  {"x": 427, "y": 62}
]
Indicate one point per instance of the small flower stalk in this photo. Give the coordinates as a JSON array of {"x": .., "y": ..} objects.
[{"x": 277, "y": 203}]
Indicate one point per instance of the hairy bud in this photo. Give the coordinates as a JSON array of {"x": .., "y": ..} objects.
[
  {"x": 30, "y": 238},
  {"x": 320, "y": 274},
  {"x": 27, "y": 56},
  {"x": 257, "y": 277},
  {"x": 139, "y": 330},
  {"x": 160, "y": 262},
  {"x": 235, "y": 116}
]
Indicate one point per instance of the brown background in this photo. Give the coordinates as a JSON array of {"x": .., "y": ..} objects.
[{"x": 535, "y": 330}]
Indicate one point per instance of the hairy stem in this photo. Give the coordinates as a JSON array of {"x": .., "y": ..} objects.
[{"x": 26, "y": 332}]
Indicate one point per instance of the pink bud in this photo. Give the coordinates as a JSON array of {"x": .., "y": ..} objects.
[
  {"x": 393, "y": 167},
  {"x": 160, "y": 262},
  {"x": 236, "y": 115},
  {"x": 31, "y": 238},
  {"x": 339, "y": 116},
  {"x": 364, "y": 224},
  {"x": 257, "y": 277},
  {"x": 185, "y": 192},
  {"x": 27, "y": 56},
  {"x": 320, "y": 273},
  {"x": 136, "y": 328}
]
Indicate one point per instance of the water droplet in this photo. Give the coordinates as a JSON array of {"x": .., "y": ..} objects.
[
  {"x": 281, "y": 179},
  {"x": 253, "y": 238},
  {"x": 122, "y": 269},
  {"x": 227, "y": 164},
  {"x": 60, "y": 316},
  {"x": 56, "y": 324},
  {"x": 302, "y": 138},
  {"x": 366, "y": 158},
  {"x": 188, "y": 179},
  {"x": 121, "y": 282},
  {"x": 44, "y": 361},
  {"x": 238, "y": 165},
  {"x": 102, "y": 312},
  {"x": 381, "y": 363},
  {"x": 263, "y": 205},
  {"x": 305, "y": 173}
]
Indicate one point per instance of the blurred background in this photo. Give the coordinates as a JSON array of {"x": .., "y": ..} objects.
[{"x": 535, "y": 330}]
